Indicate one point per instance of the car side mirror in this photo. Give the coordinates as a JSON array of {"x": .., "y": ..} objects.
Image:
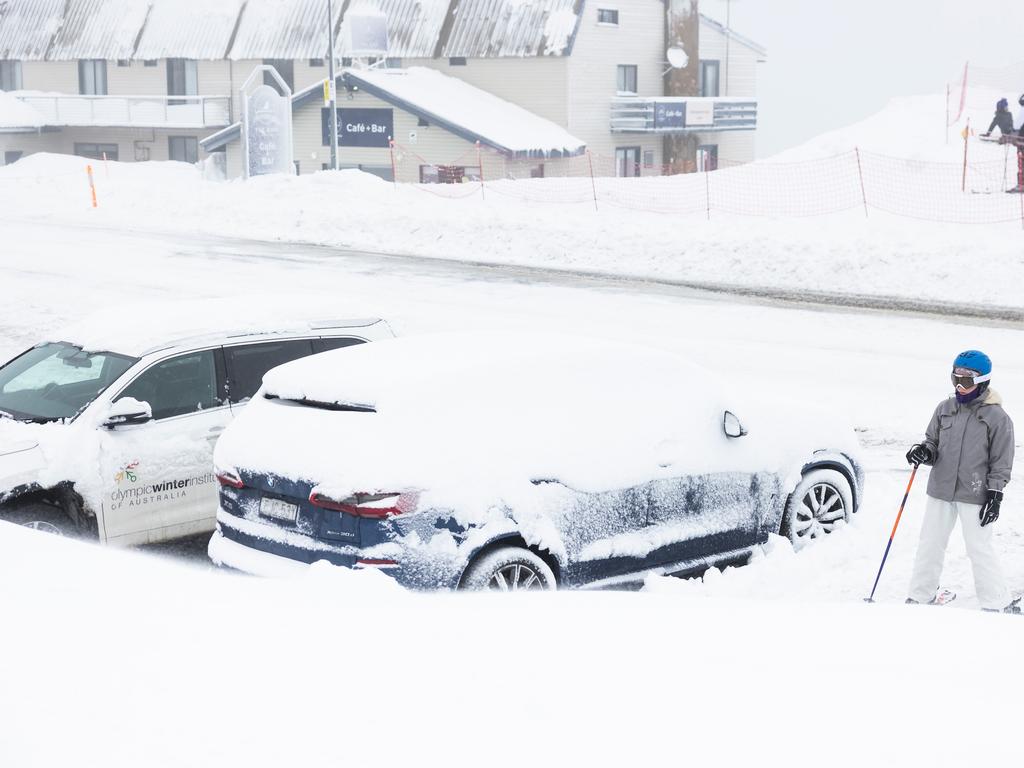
[
  {"x": 731, "y": 425},
  {"x": 127, "y": 410}
]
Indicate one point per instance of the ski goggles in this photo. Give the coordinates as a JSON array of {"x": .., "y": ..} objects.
[{"x": 965, "y": 378}]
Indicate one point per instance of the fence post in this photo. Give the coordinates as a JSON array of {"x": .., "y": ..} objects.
[
  {"x": 480, "y": 165},
  {"x": 947, "y": 114},
  {"x": 966, "y": 133},
  {"x": 92, "y": 186},
  {"x": 394, "y": 171},
  {"x": 106, "y": 168},
  {"x": 860, "y": 175},
  {"x": 593, "y": 184}
]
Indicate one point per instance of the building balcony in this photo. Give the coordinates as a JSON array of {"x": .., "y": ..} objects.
[
  {"x": 671, "y": 114},
  {"x": 58, "y": 109}
]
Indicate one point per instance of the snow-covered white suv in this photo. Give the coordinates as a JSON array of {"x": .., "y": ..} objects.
[{"x": 110, "y": 435}]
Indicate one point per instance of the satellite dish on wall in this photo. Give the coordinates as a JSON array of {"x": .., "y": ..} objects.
[{"x": 677, "y": 57}]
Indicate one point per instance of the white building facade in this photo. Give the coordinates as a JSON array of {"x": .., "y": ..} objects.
[{"x": 159, "y": 80}]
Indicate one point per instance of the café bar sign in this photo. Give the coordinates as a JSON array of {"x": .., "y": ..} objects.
[{"x": 360, "y": 127}]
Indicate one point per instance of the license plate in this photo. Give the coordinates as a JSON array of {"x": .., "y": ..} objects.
[{"x": 279, "y": 510}]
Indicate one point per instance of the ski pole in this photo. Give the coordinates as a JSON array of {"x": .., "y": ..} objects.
[{"x": 892, "y": 535}]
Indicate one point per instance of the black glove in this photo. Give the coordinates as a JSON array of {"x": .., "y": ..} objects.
[
  {"x": 919, "y": 454},
  {"x": 990, "y": 509}
]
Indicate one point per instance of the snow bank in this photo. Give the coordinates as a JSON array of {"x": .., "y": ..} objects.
[
  {"x": 201, "y": 669},
  {"x": 14, "y": 113}
]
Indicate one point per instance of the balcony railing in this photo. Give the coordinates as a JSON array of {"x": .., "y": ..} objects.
[
  {"x": 671, "y": 114},
  {"x": 131, "y": 111}
]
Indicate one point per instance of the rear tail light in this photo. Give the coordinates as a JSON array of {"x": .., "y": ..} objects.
[
  {"x": 229, "y": 478},
  {"x": 373, "y": 505}
]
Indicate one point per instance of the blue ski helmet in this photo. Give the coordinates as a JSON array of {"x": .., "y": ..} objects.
[
  {"x": 975, "y": 361},
  {"x": 1002, "y": 104}
]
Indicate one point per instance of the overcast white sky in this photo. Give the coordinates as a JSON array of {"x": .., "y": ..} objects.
[{"x": 833, "y": 62}]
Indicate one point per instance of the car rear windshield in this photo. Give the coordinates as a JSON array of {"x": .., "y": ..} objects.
[
  {"x": 56, "y": 381},
  {"x": 325, "y": 406}
]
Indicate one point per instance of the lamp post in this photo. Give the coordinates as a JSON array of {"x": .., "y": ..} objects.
[{"x": 332, "y": 87}]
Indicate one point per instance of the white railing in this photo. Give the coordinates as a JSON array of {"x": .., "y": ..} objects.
[{"x": 133, "y": 111}]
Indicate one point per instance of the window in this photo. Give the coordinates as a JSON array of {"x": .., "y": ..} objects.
[
  {"x": 607, "y": 16},
  {"x": 182, "y": 78},
  {"x": 316, "y": 62},
  {"x": 285, "y": 68},
  {"x": 448, "y": 174},
  {"x": 184, "y": 149},
  {"x": 246, "y": 364},
  {"x": 649, "y": 159},
  {"x": 10, "y": 75},
  {"x": 626, "y": 79},
  {"x": 92, "y": 77},
  {"x": 422, "y": 123},
  {"x": 457, "y": 61},
  {"x": 149, "y": 62},
  {"x": 707, "y": 157},
  {"x": 124, "y": 62},
  {"x": 627, "y": 161},
  {"x": 708, "y": 84},
  {"x": 96, "y": 151},
  {"x": 393, "y": 63},
  {"x": 537, "y": 172},
  {"x": 180, "y": 385},
  {"x": 12, "y": 156},
  {"x": 327, "y": 344}
]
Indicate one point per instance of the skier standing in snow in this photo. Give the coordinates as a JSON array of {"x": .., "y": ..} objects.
[
  {"x": 1018, "y": 140},
  {"x": 1002, "y": 119},
  {"x": 969, "y": 445}
]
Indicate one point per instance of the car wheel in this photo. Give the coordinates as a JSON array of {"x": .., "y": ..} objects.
[
  {"x": 509, "y": 569},
  {"x": 41, "y": 517},
  {"x": 817, "y": 505}
]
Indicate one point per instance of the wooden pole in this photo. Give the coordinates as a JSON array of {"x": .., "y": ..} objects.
[
  {"x": 967, "y": 132},
  {"x": 593, "y": 184}
]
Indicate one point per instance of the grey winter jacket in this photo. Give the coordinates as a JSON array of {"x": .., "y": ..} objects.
[{"x": 972, "y": 446}]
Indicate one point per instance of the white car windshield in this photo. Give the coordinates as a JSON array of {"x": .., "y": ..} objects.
[{"x": 56, "y": 381}]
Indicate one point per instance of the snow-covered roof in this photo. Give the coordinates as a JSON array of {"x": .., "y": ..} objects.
[
  {"x": 98, "y": 29},
  {"x": 27, "y": 27},
  {"x": 188, "y": 29},
  {"x": 732, "y": 35},
  {"x": 283, "y": 29},
  {"x": 485, "y": 28},
  {"x": 414, "y": 26},
  {"x": 467, "y": 111},
  {"x": 34, "y": 30},
  {"x": 16, "y": 115}
]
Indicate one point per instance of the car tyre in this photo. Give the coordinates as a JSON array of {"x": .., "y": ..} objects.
[
  {"x": 822, "y": 500},
  {"x": 509, "y": 569},
  {"x": 42, "y": 517}
]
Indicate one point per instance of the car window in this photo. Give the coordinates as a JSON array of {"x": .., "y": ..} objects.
[
  {"x": 179, "y": 385},
  {"x": 247, "y": 363},
  {"x": 57, "y": 380},
  {"x": 328, "y": 343}
]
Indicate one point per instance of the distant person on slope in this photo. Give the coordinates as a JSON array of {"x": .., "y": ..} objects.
[
  {"x": 969, "y": 446},
  {"x": 1018, "y": 139},
  {"x": 1002, "y": 119}
]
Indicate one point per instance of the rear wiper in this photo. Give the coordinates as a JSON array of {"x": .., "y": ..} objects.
[{"x": 327, "y": 406}]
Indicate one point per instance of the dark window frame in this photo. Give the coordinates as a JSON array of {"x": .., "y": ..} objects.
[
  {"x": 187, "y": 143},
  {"x": 623, "y": 74},
  {"x": 712, "y": 150},
  {"x": 11, "y": 75},
  {"x": 219, "y": 400},
  {"x": 457, "y": 61},
  {"x": 178, "y": 80},
  {"x": 608, "y": 16},
  {"x": 637, "y": 155},
  {"x": 315, "y": 63},
  {"x": 238, "y": 383},
  {"x": 94, "y": 150},
  {"x": 97, "y": 69},
  {"x": 702, "y": 79}
]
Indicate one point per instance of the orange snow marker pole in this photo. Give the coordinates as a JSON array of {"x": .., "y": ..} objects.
[
  {"x": 391, "y": 146},
  {"x": 593, "y": 184},
  {"x": 892, "y": 536},
  {"x": 480, "y": 165},
  {"x": 860, "y": 174},
  {"x": 106, "y": 168},
  {"x": 965, "y": 133},
  {"x": 92, "y": 185}
]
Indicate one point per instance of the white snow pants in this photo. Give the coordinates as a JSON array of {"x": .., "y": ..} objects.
[{"x": 939, "y": 519}]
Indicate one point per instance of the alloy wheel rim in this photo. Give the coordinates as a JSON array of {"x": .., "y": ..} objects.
[
  {"x": 820, "y": 510},
  {"x": 515, "y": 577},
  {"x": 45, "y": 527}
]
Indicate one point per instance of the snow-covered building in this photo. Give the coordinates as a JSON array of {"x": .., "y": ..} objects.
[{"x": 160, "y": 79}]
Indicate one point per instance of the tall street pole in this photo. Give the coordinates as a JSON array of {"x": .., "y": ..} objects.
[{"x": 333, "y": 120}]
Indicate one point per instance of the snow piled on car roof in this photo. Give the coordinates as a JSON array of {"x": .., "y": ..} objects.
[
  {"x": 137, "y": 328},
  {"x": 475, "y": 417}
]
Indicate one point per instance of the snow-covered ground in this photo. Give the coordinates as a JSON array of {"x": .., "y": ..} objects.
[
  {"x": 114, "y": 659},
  {"x": 558, "y": 226}
]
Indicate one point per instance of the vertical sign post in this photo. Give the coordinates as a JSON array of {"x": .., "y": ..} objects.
[{"x": 333, "y": 106}]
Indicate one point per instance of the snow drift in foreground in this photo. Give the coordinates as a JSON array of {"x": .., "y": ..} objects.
[{"x": 134, "y": 661}]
